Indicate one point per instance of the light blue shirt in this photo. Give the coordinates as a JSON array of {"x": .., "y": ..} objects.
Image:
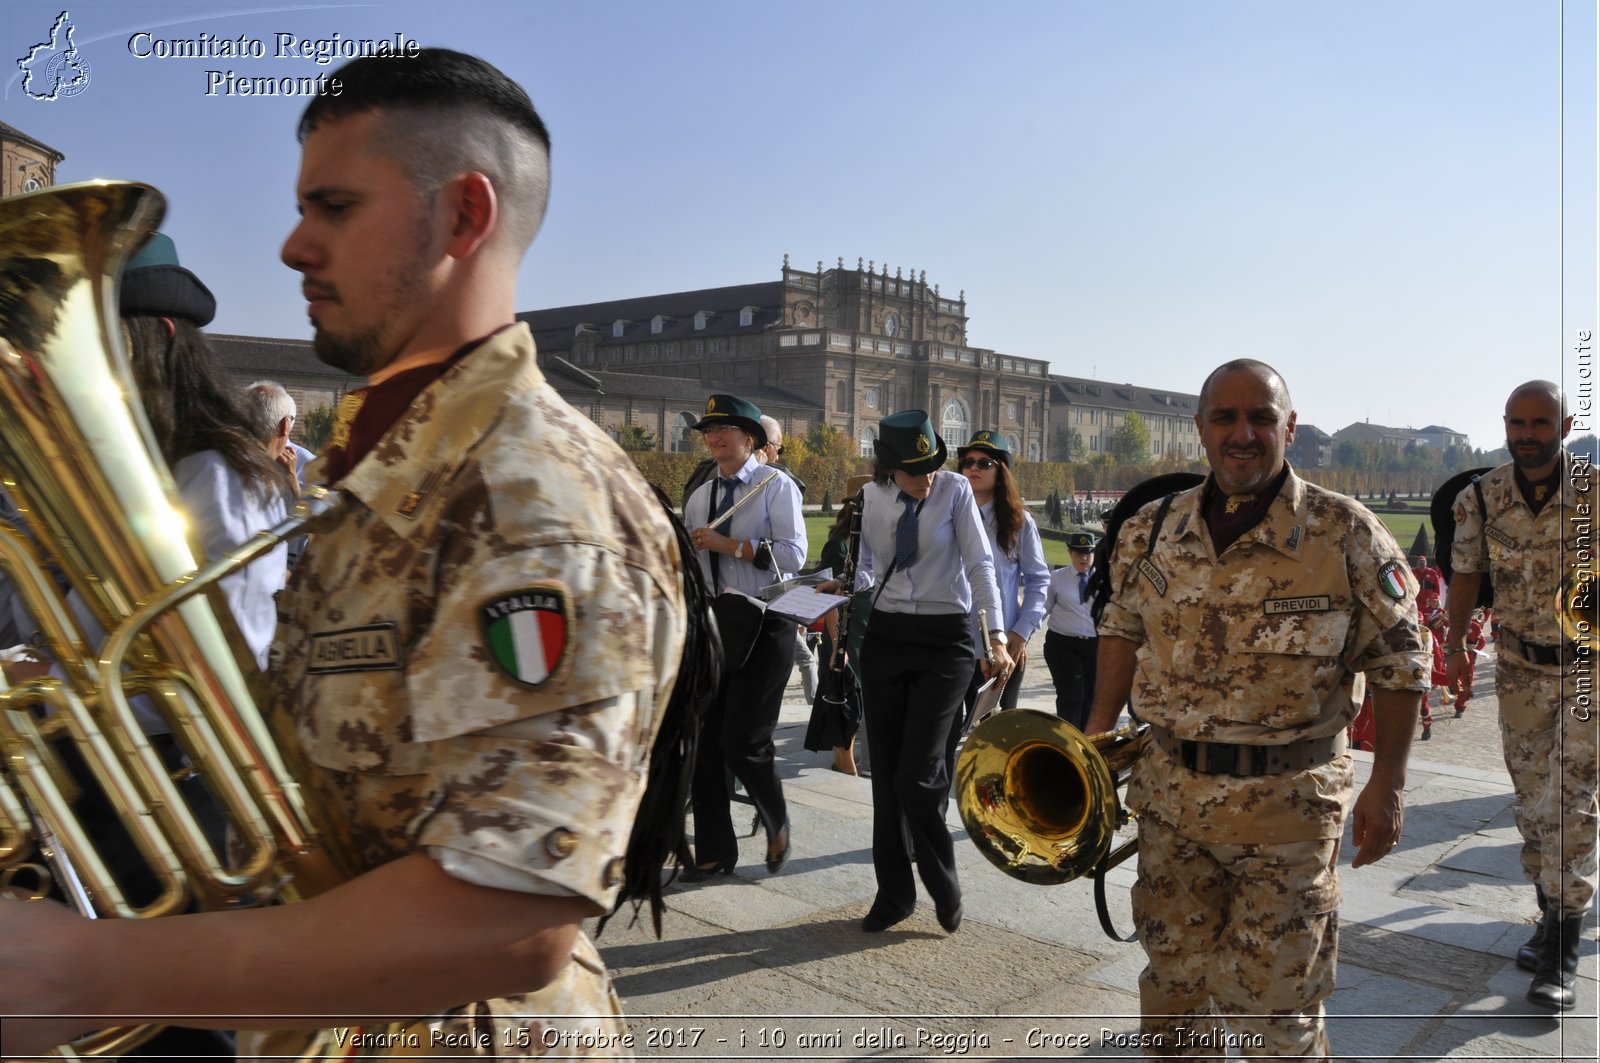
[
  {"x": 773, "y": 515},
  {"x": 1068, "y": 614},
  {"x": 1022, "y": 580},
  {"x": 954, "y": 567}
]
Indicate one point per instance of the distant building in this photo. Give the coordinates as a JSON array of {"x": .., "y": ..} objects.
[
  {"x": 26, "y": 165},
  {"x": 291, "y": 363},
  {"x": 1437, "y": 435},
  {"x": 841, "y": 346},
  {"x": 1095, "y": 409},
  {"x": 1312, "y": 447}
]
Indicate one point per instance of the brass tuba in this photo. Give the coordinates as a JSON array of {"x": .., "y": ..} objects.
[
  {"x": 1576, "y": 608},
  {"x": 77, "y": 457},
  {"x": 1039, "y": 798}
]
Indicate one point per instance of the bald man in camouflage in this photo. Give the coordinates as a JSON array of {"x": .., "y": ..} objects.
[
  {"x": 1527, "y": 524},
  {"x": 1241, "y": 612}
]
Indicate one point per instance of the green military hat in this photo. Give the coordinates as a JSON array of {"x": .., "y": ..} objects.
[
  {"x": 1081, "y": 541},
  {"x": 906, "y": 440},
  {"x": 731, "y": 409},
  {"x": 987, "y": 440}
]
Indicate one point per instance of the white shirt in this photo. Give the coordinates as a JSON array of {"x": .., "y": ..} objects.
[
  {"x": 773, "y": 515},
  {"x": 1022, "y": 579}
]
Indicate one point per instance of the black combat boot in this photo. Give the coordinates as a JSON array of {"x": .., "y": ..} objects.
[
  {"x": 1528, "y": 954},
  {"x": 1558, "y": 963}
]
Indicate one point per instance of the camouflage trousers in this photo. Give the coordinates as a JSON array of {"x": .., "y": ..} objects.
[
  {"x": 1242, "y": 943},
  {"x": 1550, "y": 753}
]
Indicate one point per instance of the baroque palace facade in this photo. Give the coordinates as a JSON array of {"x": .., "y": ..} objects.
[{"x": 842, "y": 346}]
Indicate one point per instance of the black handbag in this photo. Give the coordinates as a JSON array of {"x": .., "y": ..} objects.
[{"x": 739, "y": 619}]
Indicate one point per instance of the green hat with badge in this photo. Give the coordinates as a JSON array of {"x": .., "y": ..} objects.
[
  {"x": 731, "y": 409},
  {"x": 990, "y": 442},
  {"x": 1081, "y": 541},
  {"x": 907, "y": 441}
]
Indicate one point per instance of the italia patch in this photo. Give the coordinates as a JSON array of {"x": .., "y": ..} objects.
[
  {"x": 371, "y": 648},
  {"x": 1392, "y": 580},
  {"x": 528, "y": 633}
]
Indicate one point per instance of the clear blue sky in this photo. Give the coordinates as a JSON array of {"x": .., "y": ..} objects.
[{"x": 1366, "y": 194}]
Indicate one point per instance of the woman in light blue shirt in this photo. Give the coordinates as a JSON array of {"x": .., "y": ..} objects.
[
  {"x": 923, "y": 543},
  {"x": 762, "y": 542},
  {"x": 1019, "y": 566}
]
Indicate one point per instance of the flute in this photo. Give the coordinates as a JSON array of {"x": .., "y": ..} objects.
[{"x": 727, "y": 514}]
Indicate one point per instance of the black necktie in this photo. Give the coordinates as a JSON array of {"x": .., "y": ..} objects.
[
  {"x": 905, "y": 534},
  {"x": 724, "y": 500}
]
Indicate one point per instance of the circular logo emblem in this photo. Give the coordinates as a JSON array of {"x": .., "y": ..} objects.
[{"x": 711, "y": 405}]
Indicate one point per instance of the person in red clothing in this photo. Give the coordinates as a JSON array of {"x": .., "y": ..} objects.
[{"x": 1475, "y": 644}]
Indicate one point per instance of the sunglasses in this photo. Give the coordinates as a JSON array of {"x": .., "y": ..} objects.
[{"x": 979, "y": 463}]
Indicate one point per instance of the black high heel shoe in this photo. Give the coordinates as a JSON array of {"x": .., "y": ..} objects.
[
  {"x": 698, "y": 873},
  {"x": 775, "y": 863}
]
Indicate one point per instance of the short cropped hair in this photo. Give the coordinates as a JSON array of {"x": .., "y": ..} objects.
[
  {"x": 1274, "y": 379},
  {"x": 444, "y": 113},
  {"x": 267, "y": 403}
]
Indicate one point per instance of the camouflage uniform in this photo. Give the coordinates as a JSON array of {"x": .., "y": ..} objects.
[
  {"x": 1550, "y": 753},
  {"x": 1237, "y": 897},
  {"x": 490, "y": 496}
]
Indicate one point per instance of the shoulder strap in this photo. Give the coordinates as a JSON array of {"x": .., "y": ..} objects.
[{"x": 1155, "y": 526}]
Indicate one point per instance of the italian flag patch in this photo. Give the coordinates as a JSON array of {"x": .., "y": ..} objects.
[
  {"x": 1392, "y": 580},
  {"x": 527, "y": 632}
]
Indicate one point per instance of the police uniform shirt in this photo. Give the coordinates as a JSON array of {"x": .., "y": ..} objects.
[
  {"x": 774, "y": 514},
  {"x": 1260, "y": 646},
  {"x": 954, "y": 566},
  {"x": 475, "y": 655},
  {"x": 1527, "y": 555}
]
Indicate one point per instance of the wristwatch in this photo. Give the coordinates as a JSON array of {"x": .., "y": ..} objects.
[{"x": 738, "y": 551}]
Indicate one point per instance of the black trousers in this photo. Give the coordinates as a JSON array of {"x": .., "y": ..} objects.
[
  {"x": 1072, "y": 663},
  {"x": 736, "y": 735},
  {"x": 914, "y": 672}
]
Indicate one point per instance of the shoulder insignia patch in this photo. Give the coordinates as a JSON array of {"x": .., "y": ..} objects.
[
  {"x": 1392, "y": 580},
  {"x": 1499, "y": 536},
  {"x": 1293, "y": 541},
  {"x": 1148, "y": 570},
  {"x": 371, "y": 648},
  {"x": 528, "y": 633}
]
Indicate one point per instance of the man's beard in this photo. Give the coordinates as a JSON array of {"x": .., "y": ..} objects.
[
  {"x": 1545, "y": 455},
  {"x": 358, "y": 355}
]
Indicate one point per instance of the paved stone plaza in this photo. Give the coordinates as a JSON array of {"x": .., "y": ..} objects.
[{"x": 776, "y": 967}]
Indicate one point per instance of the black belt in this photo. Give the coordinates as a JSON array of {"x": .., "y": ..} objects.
[
  {"x": 1538, "y": 654},
  {"x": 1230, "y": 758}
]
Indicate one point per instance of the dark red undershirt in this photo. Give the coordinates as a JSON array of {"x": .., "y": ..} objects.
[
  {"x": 365, "y": 414},
  {"x": 1537, "y": 492},
  {"x": 1246, "y": 510}
]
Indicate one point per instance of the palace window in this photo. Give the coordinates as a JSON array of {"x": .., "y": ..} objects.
[
  {"x": 955, "y": 420},
  {"x": 869, "y": 436}
]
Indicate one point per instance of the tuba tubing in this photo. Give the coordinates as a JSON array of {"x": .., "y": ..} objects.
[{"x": 79, "y": 460}]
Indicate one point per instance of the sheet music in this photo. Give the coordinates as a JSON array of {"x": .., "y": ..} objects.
[{"x": 805, "y": 604}]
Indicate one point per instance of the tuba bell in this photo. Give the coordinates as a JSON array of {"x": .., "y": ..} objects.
[
  {"x": 1038, "y": 797},
  {"x": 1576, "y": 608},
  {"x": 78, "y": 459}
]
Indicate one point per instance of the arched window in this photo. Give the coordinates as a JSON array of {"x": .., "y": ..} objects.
[
  {"x": 954, "y": 428},
  {"x": 841, "y": 397},
  {"x": 1033, "y": 451},
  {"x": 1013, "y": 444},
  {"x": 682, "y": 432},
  {"x": 869, "y": 436}
]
